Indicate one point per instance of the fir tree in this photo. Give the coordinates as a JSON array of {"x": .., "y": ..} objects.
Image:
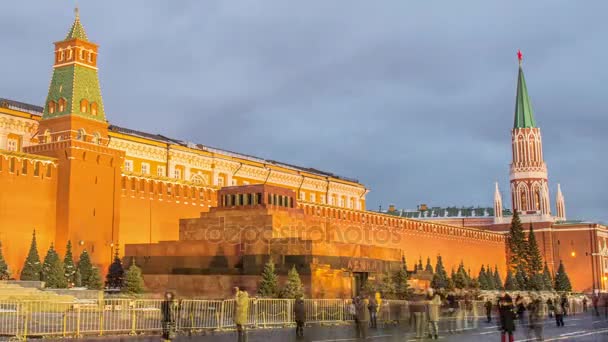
[
  {"x": 490, "y": 278},
  {"x": 386, "y": 286},
  {"x": 5, "y": 273},
  {"x": 116, "y": 273},
  {"x": 134, "y": 282},
  {"x": 534, "y": 263},
  {"x": 510, "y": 282},
  {"x": 402, "y": 287},
  {"x": 68, "y": 265},
  {"x": 440, "y": 277},
  {"x": 516, "y": 243},
  {"x": 293, "y": 287},
  {"x": 53, "y": 273},
  {"x": 547, "y": 279},
  {"x": 268, "y": 284},
  {"x": 460, "y": 278},
  {"x": 497, "y": 281},
  {"x": 521, "y": 278},
  {"x": 419, "y": 266},
  {"x": 77, "y": 278},
  {"x": 403, "y": 263},
  {"x": 428, "y": 267},
  {"x": 483, "y": 279},
  {"x": 32, "y": 269},
  {"x": 562, "y": 282},
  {"x": 93, "y": 282},
  {"x": 450, "y": 285},
  {"x": 85, "y": 267}
]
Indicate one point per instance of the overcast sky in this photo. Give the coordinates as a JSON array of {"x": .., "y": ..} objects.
[{"x": 414, "y": 100}]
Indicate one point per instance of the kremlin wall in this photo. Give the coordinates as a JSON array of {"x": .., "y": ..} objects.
[{"x": 200, "y": 220}]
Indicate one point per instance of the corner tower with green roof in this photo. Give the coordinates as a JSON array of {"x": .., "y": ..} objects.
[
  {"x": 529, "y": 181},
  {"x": 74, "y": 88}
]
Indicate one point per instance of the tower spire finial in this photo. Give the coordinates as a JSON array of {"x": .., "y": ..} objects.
[
  {"x": 520, "y": 56},
  {"x": 77, "y": 12}
]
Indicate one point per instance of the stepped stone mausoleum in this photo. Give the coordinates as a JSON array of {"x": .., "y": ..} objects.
[{"x": 200, "y": 219}]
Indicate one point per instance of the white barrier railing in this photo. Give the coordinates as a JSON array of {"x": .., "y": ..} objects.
[{"x": 129, "y": 316}]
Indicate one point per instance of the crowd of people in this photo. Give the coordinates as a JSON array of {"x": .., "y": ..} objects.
[{"x": 424, "y": 311}]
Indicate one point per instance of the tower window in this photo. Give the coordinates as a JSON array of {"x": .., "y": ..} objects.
[
  {"x": 82, "y": 54},
  {"x": 524, "y": 202},
  {"x": 69, "y": 54},
  {"x": 52, "y": 107},
  {"x": 94, "y": 108},
  {"x": 62, "y": 104},
  {"x": 84, "y": 105},
  {"x": 537, "y": 199},
  {"x": 61, "y": 55},
  {"x": 80, "y": 134},
  {"x": 96, "y": 138}
]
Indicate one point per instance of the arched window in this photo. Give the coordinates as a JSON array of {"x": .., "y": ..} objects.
[
  {"x": 80, "y": 134},
  {"x": 61, "y": 55},
  {"x": 52, "y": 107},
  {"x": 82, "y": 54},
  {"x": 84, "y": 106},
  {"x": 69, "y": 54},
  {"x": 96, "y": 139},
  {"x": 537, "y": 199},
  {"x": 62, "y": 104},
  {"x": 94, "y": 108},
  {"x": 524, "y": 201},
  {"x": 47, "y": 136}
]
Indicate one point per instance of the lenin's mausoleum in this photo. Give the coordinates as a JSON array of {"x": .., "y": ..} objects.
[{"x": 200, "y": 220}]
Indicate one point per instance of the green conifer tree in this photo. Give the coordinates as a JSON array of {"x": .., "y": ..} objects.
[
  {"x": 402, "y": 287},
  {"x": 134, "y": 281},
  {"x": 428, "y": 267},
  {"x": 490, "y": 278},
  {"x": 521, "y": 278},
  {"x": 293, "y": 286},
  {"x": 460, "y": 278},
  {"x": 403, "y": 263},
  {"x": 268, "y": 284},
  {"x": 562, "y": 282},
  {"x": 68, "y": 265},
  {"x": 53, "y": 273},
  {"x": 386, "y": 286},
  {"x": 440, "y": 277},
  {"x": 534, "y": 263},
  {"x": 85, "y": 267},
  {"x": 516, "y": 243},
  {"x": 5, "y": 273},
  {"x": 547, "y": 279},
  {"x": 94, "y": 280},
  {"x": 497, "y": 281},
  {"x": 510, "y": 282},
  {"x": 32, "y": 269},
  {"x": 77, "y": 278},
  {"x": 419, "y": 266},
  {"x": 483, "y": 279},
  {"x": 116, "y": 273}
]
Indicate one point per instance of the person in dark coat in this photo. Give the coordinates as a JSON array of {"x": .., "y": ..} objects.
[
  {"x": 550, "y": 306},
  {"x": 373, "y": 310},
  {"x": 595, "y": 300},
  {"x": 452, "y": 312},
  {"x": 362, "y": 317},
  {"x": 521, "y": 309},
  {"x": 168, "y": 319},
  {"x": 506, "y": 311},
  {"x": 488, "y": 306},
  {"x": 299, "y": 312},
  {"x": 536, "y": 316},
  {"x": 585, "y": 304}
]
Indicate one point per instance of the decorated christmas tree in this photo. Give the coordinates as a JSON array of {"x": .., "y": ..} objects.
[
  {"x": 268, "y": 285},
  {"x": 402, "y": 287},
  {"x": 562, "y": 282},
  {"x": 53, "y": 273},
  {"x": 440, "y": 277},
  {"x": 32, "y": 269},
  {"x": 516, "y": 243},
  {"x": 510, "y": 282},
  {"x": 497, "y": 281},
  {"x": 428, "y": 267},
  {"x": 68, "y": 265},
  {"x": 116, "y": 273},
  {"x": 547, "y": 279},
  {"x": 85, "y": 267},
  {"x": 134, "y": 282},
  {"x": 293, "y": 286},
  {"x": 5, "y": 273},
  {"x": 93, "y": 282}
]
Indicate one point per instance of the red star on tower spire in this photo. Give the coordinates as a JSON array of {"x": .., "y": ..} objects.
[{"x": 520, "y": 56}]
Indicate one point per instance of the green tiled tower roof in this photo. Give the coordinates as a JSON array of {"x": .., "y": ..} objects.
[
  {"x": 77, "y": 30},
  {"x": 524, "y": 116},
  {"x": 74, "y": 82}
]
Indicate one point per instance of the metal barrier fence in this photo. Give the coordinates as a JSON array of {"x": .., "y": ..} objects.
[{"x": 128, "y": 316}]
